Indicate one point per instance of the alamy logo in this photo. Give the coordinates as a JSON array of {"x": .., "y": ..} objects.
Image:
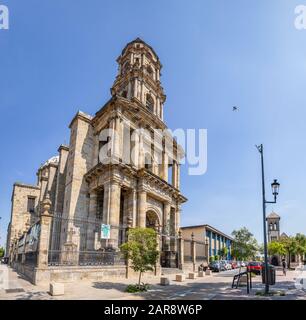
[
  {"x": 4, "y": 17},
  {"x": 300, "y": 20}
]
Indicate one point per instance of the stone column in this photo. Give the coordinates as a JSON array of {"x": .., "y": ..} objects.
[
  {"x": 134, "y": 206},
  {"x": 165, "y": 166},
  {"x": 174, "y": 174},
  {"x": 142, "y": 206},
  {"x": 193, "y": 252},
  {"x": 117, "y": 138},
  {"x": 178, "y": 178},
  {"x": 180, "y": 252},
  {"x": 166, "y": 225},
  {"x": 44, "y": 237},
  {"x": 91, "y": 234},
  {"x": 114, "y": 213}
]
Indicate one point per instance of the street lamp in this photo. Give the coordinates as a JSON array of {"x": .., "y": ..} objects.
[{"x": 275, "y": 189}]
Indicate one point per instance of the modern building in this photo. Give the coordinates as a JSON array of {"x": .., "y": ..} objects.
[
  {"x": 136, "y": 182},
  {"x": 213, "y": 240}
]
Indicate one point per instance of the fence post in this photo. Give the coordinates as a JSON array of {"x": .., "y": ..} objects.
[
  {"x": 180, "y": 251},
  {"x": 193, "y": 252},
  {"x": 44, "y": 237}
]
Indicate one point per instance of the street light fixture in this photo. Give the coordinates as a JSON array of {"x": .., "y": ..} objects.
[{"x": 275, "y": 189}]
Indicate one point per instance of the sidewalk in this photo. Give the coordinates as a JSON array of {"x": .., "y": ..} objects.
[{"x": 214, "y": 287}]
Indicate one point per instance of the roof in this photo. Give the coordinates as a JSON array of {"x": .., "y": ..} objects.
[
  {"x": 207, "y": 226},
  {"x": 52, "y": 160},
  {"x": 138, "y": 40},
  {"x": 273, "y": 215},
  {"x": 284, "y": 235}
]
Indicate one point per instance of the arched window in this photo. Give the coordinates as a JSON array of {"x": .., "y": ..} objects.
[
  {"x": 149, "y": 103},
  {"x": 271, "y": 226},
  {"x": 275, "y": 226},
  {"x": 125, "y": 67},
  {"x": 124, "y": 94}
]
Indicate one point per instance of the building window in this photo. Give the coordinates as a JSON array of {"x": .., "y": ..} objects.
[
  {"x": 150, "y": 103},
  {"x": 150, "y": 71},
  {"x": 148, "y": 162},
  {"x": 100, "y": 202},
  {"x": 31, "y": 204}
]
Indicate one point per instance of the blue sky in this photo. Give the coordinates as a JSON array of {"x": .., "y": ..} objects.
[{"x": 59, "y": 56}]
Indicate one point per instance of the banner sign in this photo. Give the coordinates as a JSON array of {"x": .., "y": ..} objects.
[{"x": 105, "y": 231}]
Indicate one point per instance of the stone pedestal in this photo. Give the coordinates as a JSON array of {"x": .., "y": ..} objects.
[
  {"x": 164, "y": 281},
  {"x": 69, "y": 254}
]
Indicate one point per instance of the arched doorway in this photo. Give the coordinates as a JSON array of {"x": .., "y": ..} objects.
[{"x": 152, "y": 220}]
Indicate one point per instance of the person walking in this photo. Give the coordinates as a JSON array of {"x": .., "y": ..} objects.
[{"x": 284, "y": 264}]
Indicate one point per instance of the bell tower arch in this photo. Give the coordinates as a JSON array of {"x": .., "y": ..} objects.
[
  {"x": 273, "y": 226},
  {"x": 138, "y": 77}
]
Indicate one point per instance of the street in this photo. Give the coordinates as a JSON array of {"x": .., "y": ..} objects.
[{"x": 214, "y": 287}]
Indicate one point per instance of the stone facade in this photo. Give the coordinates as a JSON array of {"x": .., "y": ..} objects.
[{"x": 132, "y": 189}]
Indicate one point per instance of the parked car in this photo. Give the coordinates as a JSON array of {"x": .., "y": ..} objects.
[
  {"x": 243, "y": 264},
  {"x": 227, "y": 265},
  {"x": 4, "y": 260},
  {"x": 216, "y": 266},
  {"x": 255, "y": 267},
  {"x": 234, "y": 264}
]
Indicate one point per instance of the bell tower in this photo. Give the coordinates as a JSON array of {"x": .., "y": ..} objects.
[
  {"x": 273, "y": 228},
  {"x": 138, "y": 77}
]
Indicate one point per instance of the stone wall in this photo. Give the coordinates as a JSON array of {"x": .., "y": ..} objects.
[{"x": 19, "y": 214}]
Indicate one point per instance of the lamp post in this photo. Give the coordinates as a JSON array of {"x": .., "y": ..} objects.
[{"x": 275, "y": 189}]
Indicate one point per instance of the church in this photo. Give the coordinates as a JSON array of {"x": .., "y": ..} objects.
[
  {"x": 93, "y": 202},
  {"x": 273, "y": 227}
]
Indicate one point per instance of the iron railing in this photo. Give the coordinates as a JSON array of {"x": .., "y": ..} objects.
[{"x": 85, "y": 258}]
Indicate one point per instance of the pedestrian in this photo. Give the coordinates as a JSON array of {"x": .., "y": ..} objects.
[{"x": 284, "y": 264}]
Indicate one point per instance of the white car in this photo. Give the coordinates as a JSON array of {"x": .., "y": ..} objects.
[{"x": 227, "y": 265}]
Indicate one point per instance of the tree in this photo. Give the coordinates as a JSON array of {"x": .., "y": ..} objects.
[
  {"x": 2, "y": 251},
  {"x": 290, "y": 245},
  {"x": 276, "y": 248},
  {"x": 244, "y": 246},
  {"x": 223, "y": 252},
  {"x": 300, "y": 244},
  {"x": 141, "y": 249}
]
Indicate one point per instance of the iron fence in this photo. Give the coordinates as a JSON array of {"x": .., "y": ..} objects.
[
  {"x": 85, "y": 258},
  {"x": 31, "y": 258},
  {"x": 187, "y": 250}
]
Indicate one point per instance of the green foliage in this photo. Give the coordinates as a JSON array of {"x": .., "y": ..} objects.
[
  {"x": 276, "y": 248},
  {"x": 2, "y": 252},
  {"x": 132, "y": 288},
  {"x": 300, "y": 244},
  {"x": 244, "y": 246},
  {"x": 141, "y": 249},
  {"x": 217, "y": 257},
  {"x": 211, "y": 259},
  {"x": 223, "y": 252}
]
